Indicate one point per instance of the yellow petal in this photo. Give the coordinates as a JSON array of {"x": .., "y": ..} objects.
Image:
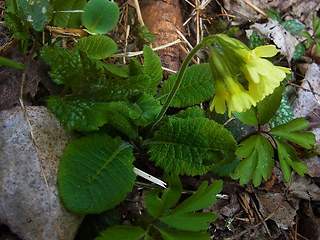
[{"x": 266, "y": 51}]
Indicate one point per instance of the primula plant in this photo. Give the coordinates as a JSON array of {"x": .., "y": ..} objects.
[{"x": 120, "y": 113}]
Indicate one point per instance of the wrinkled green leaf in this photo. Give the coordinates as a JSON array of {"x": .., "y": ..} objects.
[
  {"x": 288, "y": 159},
  {"x": 274, "y": 14},
  {"x": 298, "y": 52},
  {"x": 257, "y": 161},
  {"x": 100, "y": 16},
  {"x": 181, "y": 145},
  {"x": 10, "y": 63},
  {"x": 67, "y": 19},
  {"x": 95, "y": 173},
  {"x": 152, "y": 67},
  {"x": 183, "y": 216},
  {"x": 293, "y": 26},
  {"x": 122, "y": 233},
  {"x": 289, "y": 131},
  {"x": 122, "y": 71},
  {"x": 192, "y": 112},
  {"x": 269, "y": 105},
  {"x": 98, "y": 46},
  {"x": 196, "y": 87},
  {"x": 168, "y": 234},
  {"x": 255, "y": 40},
  {"x": 159, "y": 205},
  {"x": 78, "y": 114}
]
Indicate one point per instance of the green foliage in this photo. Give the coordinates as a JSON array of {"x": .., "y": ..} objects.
[
  {"x": 293, "y": 26},
  {"x": 257, "y": 163},
  {"x": 274, "y": 14},
  {"x": 78, "y": 114},
  {"x": 95, "y": 173},
  {"x": 100, "y": 16},
  {"x": 98, "y": 46},
  {"x": 185, "y": 222},
  {"x": 145, "y": 34},
  {"x": 191, "y": 146},
  {"x": 289, "y": 132},
  {"x": 67, "y": 19},
  {"x": 19, "y": 27},
  {"x": 10, "y": 63},
  {"x": 284, "y": 113},
  {"x": 255, "y": 40},
  {"x": 249, "y": 117},
  {"x": 196, "y": 87},
  {"x": 192, "y": 112},
  {"x": 315, "y": 37},
  {"x": 299, "y": 51}
]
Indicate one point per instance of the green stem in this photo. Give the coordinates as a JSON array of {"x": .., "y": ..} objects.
[
  {"x": 206, "y": 42},
  {"x": 15, "y": 6}
]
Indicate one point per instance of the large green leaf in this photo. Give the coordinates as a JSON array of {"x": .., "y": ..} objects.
[
  {"x": 181, "y": 146},
  {"x": 183, "y": 216},
  {"x": 152, "y": 67},
  {"x": 289, "y": 131},
  {"x": 192, "y": 112},
  {"x": 122, "y": 233},
  {"x": 248, "y": 117},
  {"x": 67, "y": 19},
  {"x": 98, "y": 46},
  {"x": 95, "y": 173},
  {"x": 196, "y": 87},
  {"x": 78, "y": 114},
  {"x": 159, "y": 205},
  {"x": 257, "y": 163},
  {"x": 18, "y": 26},
  {"x": 269, "y": 105},
  {"x": 168, "y": 234},
  {"x": 36, "y": 13},
  {"x": 100, "y": 16},
  {"x": 288, "y": 159}
]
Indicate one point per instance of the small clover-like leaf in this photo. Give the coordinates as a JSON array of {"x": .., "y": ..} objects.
[
  {"x": 289, "y": 131},
  {"x": 288, "y": 159},
  {"x": 95, "y": 173},
  {"x": 257, "y": 161}
]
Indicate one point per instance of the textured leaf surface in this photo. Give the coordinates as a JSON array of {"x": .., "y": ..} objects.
[
  {"x": 95, "y": 173},
  {"x": 288, "y": 159},
  {"x": 18, "y": 26},
  {"x": 284, "y": 113},
  {"x": 183, "y": 235},
  {"x": 179, "y": 145},
  {"x": 257, "y": 163},
  {"x": 293, "y": 26},
  {"x": 192, "y": 112},
  {"x": 269, "y": 106},
  {"x": 98, "y": 46},
  {"x": 77, "y": 114},
  {"x": 289, "y": 131},
  {"x": 255, "y": 40},
  {"x": 183, "y": 216},
  {"x": 152, "y": 67},
  {"x": 122, "y": 233},
  {"x": 67, "y": 19},
  {"x": 100, "y": 16},
  {"x": 299, "y": 51},
  {"x": 196, "y": 87},
  {"x": 170, "y": 196}
]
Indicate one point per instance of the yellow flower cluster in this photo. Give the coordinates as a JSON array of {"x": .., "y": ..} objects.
[{"x": 231, "y": 59}]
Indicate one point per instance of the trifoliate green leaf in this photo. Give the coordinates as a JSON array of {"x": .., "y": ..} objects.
[
  {"x": 98, "y": 46},
  {"x": 192, "y": 112},
  {"x": 183, "y": 216},
  {"x": 152, "y": 67},
  {"x": 288, "y": 159},
  {"x": 293, "y": 26},
  {"x": 95, "y": 173},
  {"x": 257, "y": 161},
  {"x": 196, "y": 87},
  {"x": 298, "y": 52},
  {"x": 181, "y": 146},
  {"x": 269, "y": 105},
  {"x": 255, "y": 40},
  {"x": 122, "y": 233},
  {"x": 289, "y": 132},
  {"x": 67, "y": 19},
  {"x": 159, "y": 205},
  {"x": 100, "y": 16},
  {"x": 284, "y": 113},
  {"x": 78, "y": 114},
  {"x": 168, "y": 234}
]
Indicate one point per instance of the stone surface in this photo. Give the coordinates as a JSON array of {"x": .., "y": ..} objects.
[{"x": 31, "y": 144}]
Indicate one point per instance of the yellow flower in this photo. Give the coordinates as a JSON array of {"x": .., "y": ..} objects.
[{"x": 221, "y": 97}]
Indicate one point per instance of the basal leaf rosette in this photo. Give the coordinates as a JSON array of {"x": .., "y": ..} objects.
[{"x": 229, "y": 59}]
